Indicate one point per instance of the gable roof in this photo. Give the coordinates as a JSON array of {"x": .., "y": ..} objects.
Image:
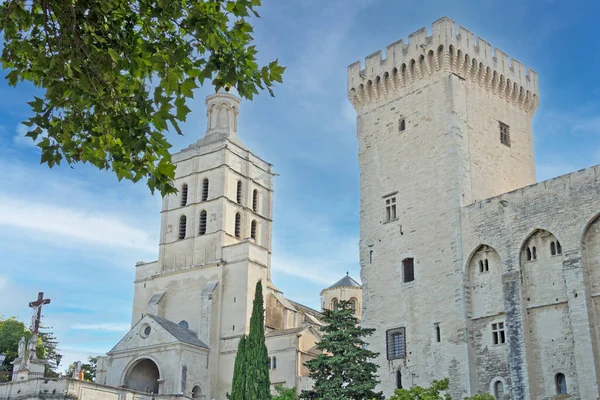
[
  {"x": 346, "y": 281},
  {"x": 182, "y": 334}
]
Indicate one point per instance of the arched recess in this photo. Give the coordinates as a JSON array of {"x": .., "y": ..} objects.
[
  {"x": 197, "y": 392},
  {"x": 143, "y": 375},
  {"x": 590, "y": 265},
  {"x": 487, "y": 325},
  {"x": 546, "y": 317}
]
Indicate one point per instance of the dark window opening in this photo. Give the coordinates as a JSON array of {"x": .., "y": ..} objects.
[
  {"x": 253, "y": 229},
  {"x": 504, "y": 134},
  {"x": 370, "y": 256},
  {"x": 408, "y": 265},
  {"x": 480, "y": 265},
  {"x": 561, "y": 384},
  {"x": 533, "y": 253},
  {"x": 528, "y": 254},
  {"x": 487, "y": 265},
  {"x": 184, "y": 194},
  {"x": 255, "y": 200},
  {"x": 353, "y": 305},
  {"x": 238, "y": 223},
  {"x": 398, "y": 379},
  {"x": 553, "y": 248},
  {"x": 558, "y": 248},
  {"x": 239, "y": 192},
  {"x": 274, "y": 362},
  {"x": 202, "y": 229},
  {"x": 396, "y": 343},
  {"x": 205, "y": 189},
  {"x": 182, "y": 226},
  {"x": 438, "y": 333},
  {"x": 334, "y": 304},
  {"x": 401, "y": 125}
]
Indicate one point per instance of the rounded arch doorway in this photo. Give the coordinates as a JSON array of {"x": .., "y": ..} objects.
[
  {"x": 197, "y": 392},
  {"x": 143, "y": 376}
]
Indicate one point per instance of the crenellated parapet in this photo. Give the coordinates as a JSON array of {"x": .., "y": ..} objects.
[{"x": 408, "y": 64}]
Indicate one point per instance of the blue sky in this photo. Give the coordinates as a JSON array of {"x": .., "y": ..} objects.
[{"x": 76, "y": 233}]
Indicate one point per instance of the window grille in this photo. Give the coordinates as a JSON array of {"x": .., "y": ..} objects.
[
  {"x": 504, "y": 134},
  {"x": 396, "y": 343},
  {"x": 205, "y": 189},
  {"x": 390, "y": 208},
  {"x": 255, "y": 200},
  {"x": 408, "y": 265},
  {"x": 182, "y": 226},
  {"x": 202, "y": 229},
  {"x": 239, "y": 192},
  {"x": 498, "y": 336},
  {"x": 238, "y": 223},
  {"x": 184, "y": 194}
]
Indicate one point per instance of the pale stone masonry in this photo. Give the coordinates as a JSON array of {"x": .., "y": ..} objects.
[{"x": 470, "y": 269}]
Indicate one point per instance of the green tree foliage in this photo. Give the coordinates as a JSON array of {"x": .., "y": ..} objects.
[
  {"x": 434, "y": 392},
  {"x": 258, "y": 385},
  {"x": 345, "y": 370},
  {"x": 11, "y": 332},
  {"x": 116, "y": 74},
  {"x": 238, "y": 387},
  {"x": 284, "y": 393},
  {"x": 89, "y": 369}
]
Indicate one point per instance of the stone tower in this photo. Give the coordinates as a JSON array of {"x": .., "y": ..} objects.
[
  {"x": 215, "y": 244},
  {"x": 442, "y": 121},
  {"x": 345, "y": 289}
]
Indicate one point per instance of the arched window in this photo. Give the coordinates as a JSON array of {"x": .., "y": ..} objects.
[
  {"x": 561, "y": 384},
  {"x": 238, "y": 223},
  {"x": 274, "y": 362},
  {"x": 184, "y": 324},
  {"x": 238, "y": 196},
  {"x": 353, "y": 305},
  {"x": 253, "y": 229},
  {"x": 205, "y": 189},
  {"x": 202, "y": 229},
  {"x": 558, "y": 248},
  {"x": 498, "y": 390},
  {"x": 480, "y": 265},
  {"x": 184, "y": 193},
  {"x": 553, "y": 248},
  {"x": 534, "y": 253},
  {"x": 528, "y": 254},
  {"x": 398, "y": 379},
  {"x": 487, "y": 265},
  {"x": 182, "y": 226},
  {"x": 334, "y": 304},
  {"x": 196, "y": 392},
  {"x": 255, "y": 200}
]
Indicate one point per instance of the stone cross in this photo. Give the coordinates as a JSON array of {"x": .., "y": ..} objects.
[{"x": 37, "y": 312}]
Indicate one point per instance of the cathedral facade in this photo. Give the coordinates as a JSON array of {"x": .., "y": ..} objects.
[
  {"x": 194, "y": 303},
  {"x": 471, "y": 270}
]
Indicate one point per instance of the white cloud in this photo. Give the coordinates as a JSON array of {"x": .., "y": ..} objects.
[
  {"x": 108, "y": 326},
  {"x": 73, "y": 223},
  {"x": 22, "y": 140}
]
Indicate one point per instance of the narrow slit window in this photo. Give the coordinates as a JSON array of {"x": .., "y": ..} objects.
[
  {"x": 398, "y": 379},
  {"x": 370, "y": 256},
  {"x": 528, "y": 254},
  {"x": 274, "y": 362},
  {"x": 205, "y": 189},
  {"x": 504, "y": 134},
  {"x": 253, "y": 229},
  {"x": 401, "y": 124},
  {"x": 202, "y": 229},
  {"x": 438, "y": 333},
  {"x": 184, "y": 194},
  {"x": 481, "y": 266},
  {"x": 182, "y": 226},
  {"x": 558, "y": 248},
  {"x": 255, "y": 200},
  {"x": 552, "y": 248},
  {"x": 487, "y": 265},
  {"x": 408, "y": 266},
  {"x": 238, "y": 196},
  {"x": 238, "y": 224},
  {"x": 533, "y": 253}
]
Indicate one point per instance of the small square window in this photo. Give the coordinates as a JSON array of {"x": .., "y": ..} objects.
[
  {"x": 504, "y": 134},
  {"x": 401, "y": 124}
]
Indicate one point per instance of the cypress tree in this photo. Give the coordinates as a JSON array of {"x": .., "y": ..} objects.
[
  {"x": 238, "y": 387},
  {"x": 344, "y": 371},
  {"x": 258, "y": 386}
]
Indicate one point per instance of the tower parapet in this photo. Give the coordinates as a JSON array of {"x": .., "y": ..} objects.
[{"x": 445, "y": 51}]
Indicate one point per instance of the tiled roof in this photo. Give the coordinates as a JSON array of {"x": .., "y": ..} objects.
[
  {"x": 282, "y": 332},
  {"x": 182, "y": 334},
  {"x": 345, "y": 282}
]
